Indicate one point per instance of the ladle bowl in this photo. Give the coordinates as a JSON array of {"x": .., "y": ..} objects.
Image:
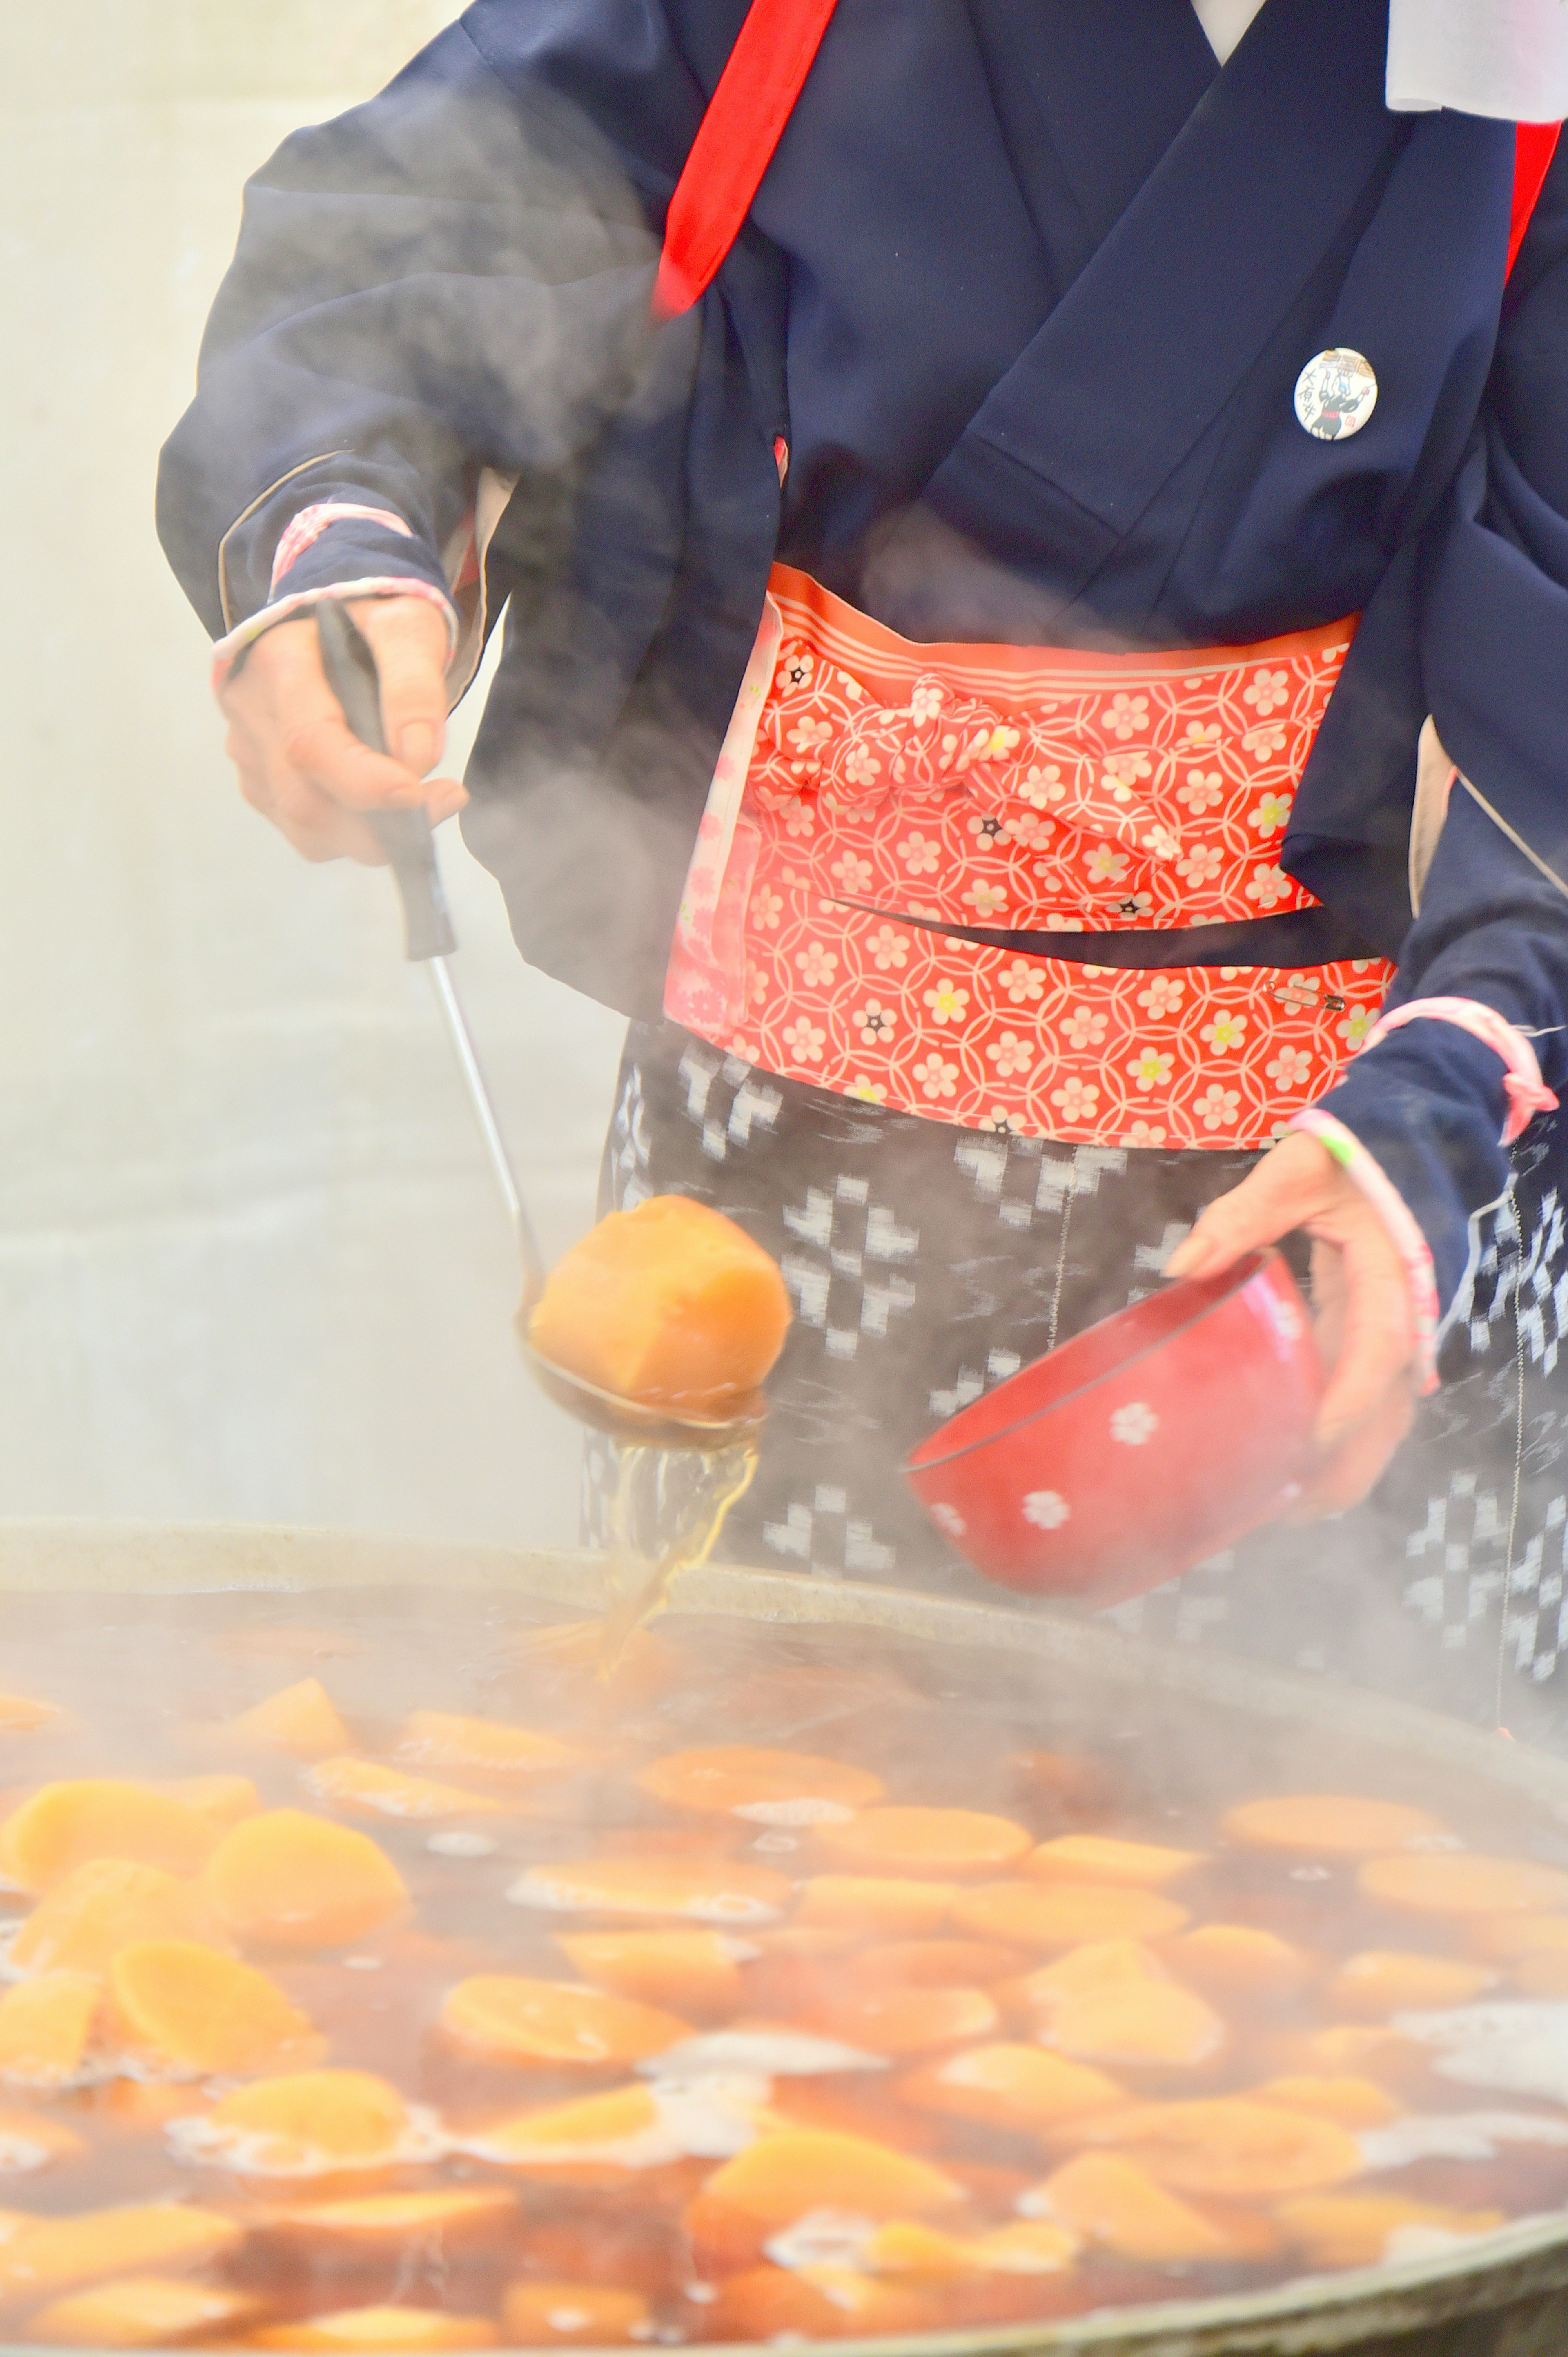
[{"x": 634, "y": 1423}]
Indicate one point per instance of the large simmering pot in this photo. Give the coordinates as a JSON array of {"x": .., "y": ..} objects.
[{"x": 1217, "y": 1727}]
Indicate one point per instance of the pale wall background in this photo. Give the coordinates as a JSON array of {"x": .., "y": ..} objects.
[{"x": 249, "y": 1263}]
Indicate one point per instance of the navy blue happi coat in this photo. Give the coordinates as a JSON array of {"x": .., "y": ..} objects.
[{"x": 1025, "y": 295}]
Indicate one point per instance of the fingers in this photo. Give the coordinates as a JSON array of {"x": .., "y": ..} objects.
[
  {"x": 299, "y": 762},
  {"x": 1364, "y": 1325},
  {"x": 318, "y": 827},
  {"x": 1358, "y": 1463},
  {"x": 313, "y": 738},
  {"x": 1291, "y": 1186},
  {"x": 1374, "y": 1355},
  {"x": 408, "y": 638}
]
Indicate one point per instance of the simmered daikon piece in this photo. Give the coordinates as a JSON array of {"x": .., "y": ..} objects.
[
  {"x": 224, "y": 1799},
  {"x": 917, "y": 2250},
  {"x": 382, "y": 1791},
  {"x": 1534, "y": 1948},
  {"x": 770, "y": 1788},
  {"x": 1502, "y": 1938},
  {"x": 380, "y": 2331},
  {"x": 65, "y": 1824},
  {"x": 1087, "y": 1971},
  {"x": 519, "y": 2021},
  {"x": 100, "y": 1907},
  {"x": 188, "y": 2007},
  {"x": 596, "y": 2139},
  {"x": 1327, "y": 1824},
  {"x": 302, "y": 2122},
  {"x": 1136, "y": 2024},
  {"x": 1363, "y": 2230},
  {"x": 698, "y": 1970},
  {"x": 1117, "y": 2205},
  {"x": 1357, "y": 2047},
  {"x": 371, "y": 2224},
  {"x": 143, "y": 2312},
  {"x": 301, "y": 1719},
  {"x": 1458, "y": 1882},
  {"x": 1383, "y": 1981},
  {"x": 783, "y": 2177},
  {"x": 492, "y": 1747},
  {"x": 938, "y": 1842},
  {"x": 1352, "y": 2103},
  {"x": 898, "y": 2021},
  {"x": 670, "y": 1304},
  {"x": 772, "y": 2303},
  {"x": 1229, "y": 2146},
  {"x": 927, "y": 1964},
  {"x": 718, "y": 1890},
  {"x": 26, "y": 1714},
  {"x": 1240, "y": 1960},
  {"x": 539, "y": 2315},
  {"x": 878, "y": 1906},
  {"x": 46, "y": 2025},
  {"x": 1014, "y": 2087},
  {"x": 1095, "y": 1858},
  {"x": 41, "y": 2257},
  {"x": 299, "y": 1882},
  {"x": 1050, "y": 1914}
]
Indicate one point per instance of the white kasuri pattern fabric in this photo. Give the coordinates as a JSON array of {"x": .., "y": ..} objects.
[{"x": 1502, "y": 58}]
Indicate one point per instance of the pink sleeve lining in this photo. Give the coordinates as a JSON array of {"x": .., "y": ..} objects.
[
  {"x": 1528, "y": 1093},
  {"x": 308, "y": 525},
  {"x": 1415, "y": 1253},
  {"x": 244, "y": 635}
]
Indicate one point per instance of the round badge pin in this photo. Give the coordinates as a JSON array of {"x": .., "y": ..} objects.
[{"x": 1336, "y": 394}]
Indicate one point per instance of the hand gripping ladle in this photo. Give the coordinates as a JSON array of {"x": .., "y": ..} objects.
[{"x": 404, "y": 835}]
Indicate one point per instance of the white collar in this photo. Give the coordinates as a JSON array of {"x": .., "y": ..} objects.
[
  {"x": 1225, "y": 21},
  {"x": 1502, "y": 58},
  {"x": 1505, "y": 58}
]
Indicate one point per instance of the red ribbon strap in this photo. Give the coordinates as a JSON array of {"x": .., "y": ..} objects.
[
  {"x": 734, "y": 142},
  {"x": 755, "y": 98},
  {"x": 1535, "y": 144}
]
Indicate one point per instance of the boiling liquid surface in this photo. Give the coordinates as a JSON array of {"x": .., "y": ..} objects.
[{"x": 1470, "y": 2125}]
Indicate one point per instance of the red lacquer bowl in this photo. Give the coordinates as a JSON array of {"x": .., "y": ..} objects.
[{"x": 1140, "y": 1447}]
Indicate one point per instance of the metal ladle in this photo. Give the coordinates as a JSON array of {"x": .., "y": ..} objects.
[{"x": 404, "y": 835}]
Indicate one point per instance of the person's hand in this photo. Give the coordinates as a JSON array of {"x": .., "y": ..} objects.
[
  {"x": 299, "y": 762},
  {"x": 1364, "y": 1326}
]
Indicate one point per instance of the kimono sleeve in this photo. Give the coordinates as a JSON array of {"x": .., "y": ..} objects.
[
  {"x": 1429, "y": 1101},
  {"x": 1493, "y": 631},
  {"x": 446, "y": 286}
]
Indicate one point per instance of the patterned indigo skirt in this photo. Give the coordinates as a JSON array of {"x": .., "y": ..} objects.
[{"x": 927, "y": 1263}]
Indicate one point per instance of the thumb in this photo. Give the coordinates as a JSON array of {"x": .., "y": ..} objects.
[{"x": 408, "y": 638}]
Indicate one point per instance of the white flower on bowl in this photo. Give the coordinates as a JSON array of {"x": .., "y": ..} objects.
[
  {"x": 1046, "y": 1509},
  {"x": 949, "y": 1520},
  {"x": 1134, "y": 1424}
]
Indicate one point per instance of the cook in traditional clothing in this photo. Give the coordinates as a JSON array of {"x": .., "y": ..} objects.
[{"x": 1035, "y": 538}]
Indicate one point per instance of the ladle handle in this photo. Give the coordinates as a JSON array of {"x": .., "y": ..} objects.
[{"x": 404, "y": 834}]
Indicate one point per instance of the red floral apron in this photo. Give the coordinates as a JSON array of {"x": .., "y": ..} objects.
[{"x": 872, "y": 791}]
